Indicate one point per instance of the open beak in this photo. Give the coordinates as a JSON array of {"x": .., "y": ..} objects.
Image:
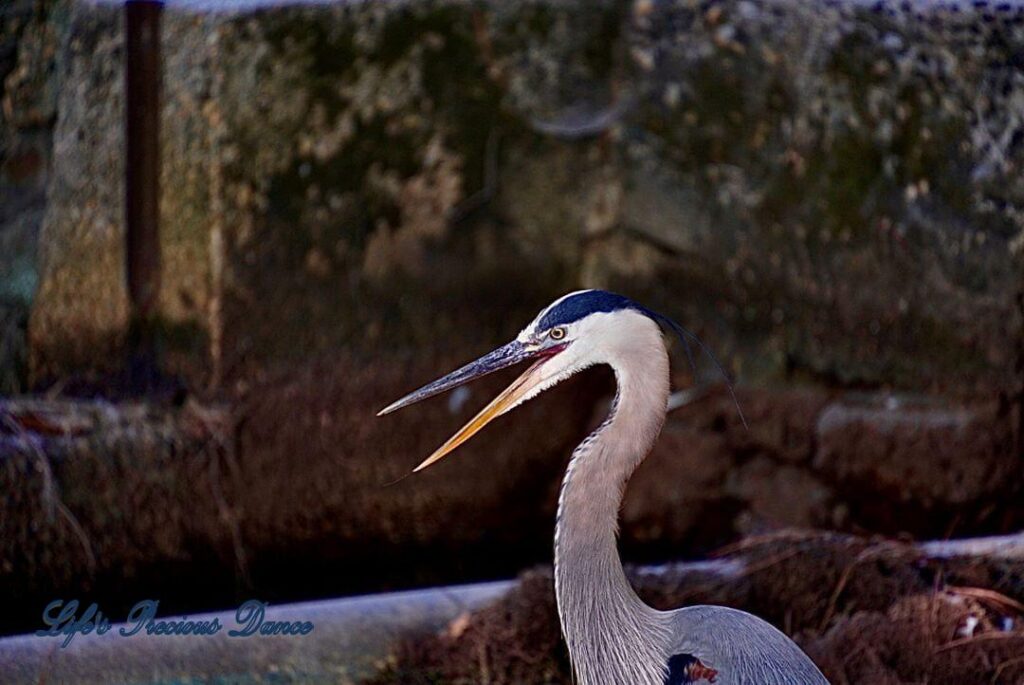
[{"x": 503, "y": 357}]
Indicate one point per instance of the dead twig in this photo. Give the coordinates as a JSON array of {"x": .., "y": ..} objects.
[
  {"x": 872, "y": 552},
  {"x": 1019, "y": 660},
  {"x": 993, "y": 599},
  {"x": 975, "y": 639},
  {"x": 50, "y": 495},
  {"x": 755, "y": 541}
]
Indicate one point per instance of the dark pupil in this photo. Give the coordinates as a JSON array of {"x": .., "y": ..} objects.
[{"x": 557, "y": 333}]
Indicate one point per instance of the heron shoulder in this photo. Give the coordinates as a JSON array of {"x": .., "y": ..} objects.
[{"x": 741, "y": 647}]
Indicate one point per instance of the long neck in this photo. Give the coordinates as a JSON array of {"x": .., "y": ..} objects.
[{"x": 613, "y": 637}]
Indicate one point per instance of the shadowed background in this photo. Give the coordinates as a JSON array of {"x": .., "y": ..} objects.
[{"x": 356, "y": 198}]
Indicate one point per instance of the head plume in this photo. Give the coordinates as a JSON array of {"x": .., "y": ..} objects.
[{"x": 582, "y": 303}]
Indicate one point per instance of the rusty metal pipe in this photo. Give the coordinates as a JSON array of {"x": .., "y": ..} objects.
[{"x": 142, "y": 185}]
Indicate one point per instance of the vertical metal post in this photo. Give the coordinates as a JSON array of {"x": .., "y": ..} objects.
[{"x": 142, "y": 183}]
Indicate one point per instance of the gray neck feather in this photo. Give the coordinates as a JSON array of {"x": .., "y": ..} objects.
[{"x": 613, "y": 637}]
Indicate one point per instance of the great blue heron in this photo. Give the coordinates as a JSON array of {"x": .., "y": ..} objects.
[{"x": 613, "y": 637}]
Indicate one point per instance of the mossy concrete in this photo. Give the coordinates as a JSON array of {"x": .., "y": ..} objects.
[
  {"x": 855, "y": 178},
  {"x": 29, "y": 32},
  {"x": 825, "y": 192},
  {"x": 80, "y": 308}
]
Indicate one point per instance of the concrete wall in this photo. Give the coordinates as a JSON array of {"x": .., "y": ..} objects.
[{"x": 825, "y": 192}]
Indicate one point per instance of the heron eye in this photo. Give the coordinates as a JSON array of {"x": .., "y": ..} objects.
[{"x": 557, "y": 333}]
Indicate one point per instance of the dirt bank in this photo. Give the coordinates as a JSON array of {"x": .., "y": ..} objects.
[
  {"x": 867, "y": 611},
  {"x": 290, "y": 479}
]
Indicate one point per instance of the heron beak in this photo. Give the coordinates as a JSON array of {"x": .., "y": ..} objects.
[{"x": 503, "y": 357}]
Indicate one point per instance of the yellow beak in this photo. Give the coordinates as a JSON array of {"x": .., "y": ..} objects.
[{"x": 508, "y": 398}]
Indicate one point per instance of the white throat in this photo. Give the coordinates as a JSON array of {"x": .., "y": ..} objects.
[{"x": 613, "y": 637}]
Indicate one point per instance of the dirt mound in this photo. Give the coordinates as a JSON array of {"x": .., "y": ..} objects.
[
  {"x": 947, "y": 637},
  {"x": 866, "y": 611},
  {"x": 514, "y": 640}
]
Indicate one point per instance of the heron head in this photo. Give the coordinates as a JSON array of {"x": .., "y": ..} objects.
[{"x": 574, "y": 332}]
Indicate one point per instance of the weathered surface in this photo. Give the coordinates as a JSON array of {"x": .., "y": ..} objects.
[
  {"x": 29, "y": 31},
  {"x": 853, "y": 170},
  {"x": 103, "y": 499},
  {"x": 81, "y": 291},
  {"x": 931, "y": 453},
  {"x": 824, "y": 192},
  {"x": 881, "y": 463},
  {"x": 28, "y": 44}
]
